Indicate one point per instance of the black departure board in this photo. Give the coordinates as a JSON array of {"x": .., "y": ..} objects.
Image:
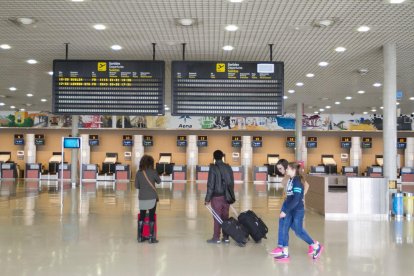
[
  {"x": 227, "y": 88},
  {"x": 124, "y": 87}
]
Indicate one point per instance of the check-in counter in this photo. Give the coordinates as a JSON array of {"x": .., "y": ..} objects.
[
  {"x": 89, "y": 172},
  {"x": 202, "y": 173},
  {"x": 341, "y": 197},
  {"x": 407, "y": 174},
  {"x": 238, "y": 174},
  {"x": 66, "y": 171},
  {"x": 122, "y": 173},
  {"x": 259, "y": 174},
  {"x": 8, "y": 170},
  {"x": 179, "y": 173},
  {"x": 33, "y": 170}
]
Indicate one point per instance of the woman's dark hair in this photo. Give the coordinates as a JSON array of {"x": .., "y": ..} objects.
[
  {"x": 283, "y": 162},
  {"x": 147, "y": 162},
  {"x": 297, "y": 167}
]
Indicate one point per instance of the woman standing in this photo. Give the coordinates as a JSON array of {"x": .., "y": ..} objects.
[
  {"x": 293, "y": 208},
  {"x": 145, "y": 180}
]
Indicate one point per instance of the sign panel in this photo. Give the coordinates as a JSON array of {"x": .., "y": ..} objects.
[
  {"x": 181, "y": 141},
  {"x": 401, "y": 143},
  {"x": 39, "y": 139},
  {"x": 291, "y": 142},
  {"x": 366, "y": 142},
  {"x": 257, "y": 142},
  {"x": 346, "y": 142},
  {"x": 148, "y": 141},
  {"x": 124, "y": 87},
  {"x": 236, "y": 141},
  {"x": 227, "y": 88},
  {"x": 202, "y": 141},
  {"x": 312, "y": 142}
]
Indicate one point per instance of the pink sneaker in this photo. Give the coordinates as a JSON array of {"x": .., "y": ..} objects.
[
  {"x": 310, "y": 251},
  {"x": 278, "y": 251}
]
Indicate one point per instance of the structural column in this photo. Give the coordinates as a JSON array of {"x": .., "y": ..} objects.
[
  {"x": 355, "y": 152},
  {"x": 86, "y": 149},
  {"x": 409, "y": 153},
  {"x": 30, "y": 148},
  {"x": 247, "y": 156},
  {"x": 390, "y": 109},
  {"x": 137, "y": 150},
  {"x": 74, "y": 154},
  {"x": 298, "y": 132},
  {"x": 192, "y": 156}
]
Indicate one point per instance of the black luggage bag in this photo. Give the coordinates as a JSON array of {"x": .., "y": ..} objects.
[
  {"x": 232, "y": 228},
  {"x": 254, "y": 225}
]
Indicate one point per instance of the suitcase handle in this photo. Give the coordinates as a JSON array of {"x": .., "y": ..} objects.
[{"x": 215, "y": 215}]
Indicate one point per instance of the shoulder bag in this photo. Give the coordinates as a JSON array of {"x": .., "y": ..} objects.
[{"x": 151, "y": 185}]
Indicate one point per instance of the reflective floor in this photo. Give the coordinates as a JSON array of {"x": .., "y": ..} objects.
[{"x": 49, "y": 230}]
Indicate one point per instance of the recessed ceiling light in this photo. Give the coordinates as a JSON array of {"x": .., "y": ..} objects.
[
  {"x": 116, "y": 47},
  {"x": 340, "y": 49},
  {"x": 412, "y": 98},
  {"x": 316, "y": 112},
  {"x": 328, "y": 106},
  {"x": 77, "y": 0},
  {"x": 235, "y": 1},
  {"x": 25, "y": 20},
  {"x": 285, "y": 97},
  {"x": 5, "y": 46},
  {"x": 365, "y": 112},
  {"x": 382, "y": 107},
  {"x": 348, "y": 98},
  {"x": 323, "y": 23},
  {"x": 99, "y": 27},
  {"x": 12, "y": 107},
  {"x": 321, "y": 109},
  {"x": 363, "y": 29},
  {"x": 337, "y": 102},
  {"x": 186, "y": 22},
  {"x": 43, "y": 100},
  {"x": 299, "y": 84},
  {"x": 377, "y": 84},
  {"x": 50, "y": 73},
  {"x": 231, "y": 28},
  {"x": 361, "y": 92},
  {"x": 323, "y": 63},
  {"x": 2, "y": 104},
  {"x": 12, "y": 88},
  {"x": 373, "y": 110},
  {"x": 29, "y": 95},
  {"x": 22, "y": 109},
  {"x": 228, "y": 48},
  {"x": 398, "y": 103},
  {"x": 396, "y": 1},
  {"x": 310, "y": 75},
  {"x": 28, "y": 104},
  {"x": 291, "y": 91},
  {"x": 31, "y": 61},
  {"x": 167, "y": 108}
]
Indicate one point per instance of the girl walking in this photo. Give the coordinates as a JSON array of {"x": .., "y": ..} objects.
[{"x": 293, "y": 212}]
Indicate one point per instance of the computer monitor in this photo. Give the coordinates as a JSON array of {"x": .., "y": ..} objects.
[{"x": 71, "y": 143}]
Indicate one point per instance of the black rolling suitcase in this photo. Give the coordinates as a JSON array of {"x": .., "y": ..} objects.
[
  {"x": 255, "y": 226},
  {"x": 232, "y": 228}
]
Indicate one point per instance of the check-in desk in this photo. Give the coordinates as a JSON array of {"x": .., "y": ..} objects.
[
  {"x": 407, "y": 179},
  {"x": 8, "y": 170},
  {"x": 66, "y": 173},
  {"x": 33, "y": 170},
  {"x": 259, "y": 174},
  {"x": 122, "y": 172},
  {"x": 341, "y": 197},
  {"x": 179, "y": 173},
  {"x": 238, "y": 174},
  {"x": 89, "y": 172},
  {"x": 350, "y": 170},
  {"x": 202, "y": 173}
]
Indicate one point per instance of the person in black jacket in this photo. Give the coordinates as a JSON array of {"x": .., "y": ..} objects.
[{"x": 220, "y": 177}]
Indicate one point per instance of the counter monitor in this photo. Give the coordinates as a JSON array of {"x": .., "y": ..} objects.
[
  {"x": 401, "y": 143},
  {"x": 39, "y": 139},
  {"x": 19, "y": 139},
  {"x": 236, "y": 141},
  {"x": 312, "y": 142},
  {"x": 366, "y": 142},
  {"x": 346, "y": 142},
  {"x": 93, "y": 140},
  {"x": 127, "y": 141},
  {"x": 257, "y": 142},
  {"x": 71, "y": 143},
  {"x": 148, "y": 141},
  {"x": 108, "y": 87},
  {"x": 181, "y": 141},
  {"x": 202, "y": 141},
  {"x": 291, "y": 142},
  {"x": 227, "y": 88}
]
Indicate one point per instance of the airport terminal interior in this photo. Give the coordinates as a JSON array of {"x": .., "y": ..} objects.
[{"x": 88, "y": 87}]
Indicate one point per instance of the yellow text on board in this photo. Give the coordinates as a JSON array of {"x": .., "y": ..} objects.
[
  {"x": 101, "y": 66},
  {"x": 221, "y": 67}
]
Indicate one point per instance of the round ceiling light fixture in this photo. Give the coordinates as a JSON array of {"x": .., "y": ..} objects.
[
  {"x": 99, "y": 27},
  {"x": 348, "y": 98},
  {"x": 323, "y": 64},
  {"x": 310, "y": 75},
  {"x": 116, "y": 47},
  {"x": 363, "y": 29},
  {"x": 299, "y": 84},
  {"x": 228, "y": 48},
  {"x": 361, "y": 92},
  {"x": 31, "y": 61},
  {"x": 337, "y": 102},
  {"x": 186, "y": 22},
  {"x": 5, "y": 46},
  {"x": 231, "y": 28},
  {"x": 340, "y": 49},
  {"x": 291, "y": 91},
  {"x": 323, "y": 23},
  {"x": 12, "y": 88},
  {"x": 377, "y": 84}
]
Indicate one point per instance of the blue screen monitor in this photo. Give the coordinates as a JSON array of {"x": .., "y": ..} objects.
[
  {"x": 202, "y": 143},
  {"x": 236, "y": 143},
  {"x": 19, "y": 141},
  {"x": 93, "y": 142},
  {"x": 401, "y": 145},
  {"x": 181, "y": 143},
  {"x": 71, "y": 143},
  {"x": 127, "y": 143},
  {"x": 290, "y": 144},
  {"x": 346, "y": 145},
  {"x": 311, "y": 145},
  {"x": 257, "y": 144}
]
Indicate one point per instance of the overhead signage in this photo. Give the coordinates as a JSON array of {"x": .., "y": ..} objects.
[
  {"x": 148, "y": 141},
  {"x": 229, "y": 88},
  {"x": 181, "y": 141},
  {"x": 236, "y": 141},
  {"x": 291, "y": 142},
  {"x": 202, "y": 141},
  {"x": 346, "y": 142},
  {"x": 366, "y": 142},
  {"x": 312, "y": 142},
  {"x": 257, "y": 142},
  {"x": 39, "y": 139},
  {"x": 108, "y": 87},
  {"x": 401, "y": 143}
]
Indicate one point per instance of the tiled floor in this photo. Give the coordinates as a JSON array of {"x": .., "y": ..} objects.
[{"x": 92, "y": 231}]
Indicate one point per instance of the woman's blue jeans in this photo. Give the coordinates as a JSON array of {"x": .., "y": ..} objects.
[{"x": 294, "y": 221}]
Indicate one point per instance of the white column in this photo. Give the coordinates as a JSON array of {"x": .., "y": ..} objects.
[
  {"x": 247, "y": 156},
  {"x": 30, "y": 149},
  {"x": 298, "y": 132},
  {"x": 114, "y": 121},
  {"x": 390, "y": 109},
  {"x": 74, "y": 153},
  {"x": 304, "y": 152},
  {"x": 192, "y": 151},
  {"x": 137, "y": 150},
  {"x": 86, "y": 149},
  {"x": 355, "y": 154},
  {"x": 409, "y": 153}
]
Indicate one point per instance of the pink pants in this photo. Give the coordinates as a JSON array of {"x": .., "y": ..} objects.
[{"x": 221, "y": 207}]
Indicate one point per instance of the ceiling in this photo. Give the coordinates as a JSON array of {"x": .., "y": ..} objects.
[{"x": 135, "y": 24}]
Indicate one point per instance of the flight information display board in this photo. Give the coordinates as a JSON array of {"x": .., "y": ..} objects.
[
  {"x": 227, "y": 88},
  {"x": 124, "y": 87}
]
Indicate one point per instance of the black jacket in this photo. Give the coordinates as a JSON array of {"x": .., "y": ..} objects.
[{"x": 217, "y": 173}]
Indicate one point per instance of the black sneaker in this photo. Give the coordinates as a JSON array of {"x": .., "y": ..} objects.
[
  {"x": 225, "y": 240},
  {"x": 213, "y": 240}
]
